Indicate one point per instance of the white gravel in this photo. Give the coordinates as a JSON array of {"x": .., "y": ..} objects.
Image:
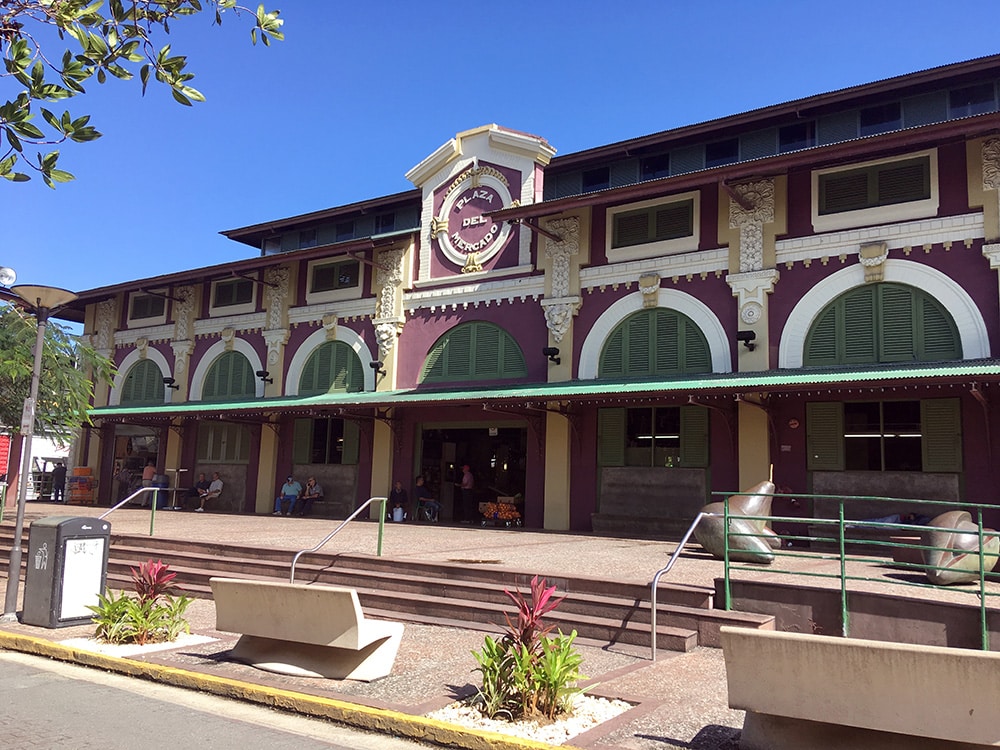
[{"x": 587, "y": 713}]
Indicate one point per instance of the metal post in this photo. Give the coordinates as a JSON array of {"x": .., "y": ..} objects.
[
  {"x": 381, "y": 524},
  {"x": 27, "y": 429},
  {"x": 844, "y": 614},
  {"x": 984, "y": 630}
]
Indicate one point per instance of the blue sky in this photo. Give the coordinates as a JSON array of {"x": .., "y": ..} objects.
[{"x": 360, "y": 92}]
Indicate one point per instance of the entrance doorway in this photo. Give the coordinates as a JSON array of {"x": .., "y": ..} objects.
[{"x": 495, "y": 456}]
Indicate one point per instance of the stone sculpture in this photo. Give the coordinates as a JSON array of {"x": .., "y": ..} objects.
[
  {"x": 955, "y": 557},
  {"x": 756, "y": 548}
]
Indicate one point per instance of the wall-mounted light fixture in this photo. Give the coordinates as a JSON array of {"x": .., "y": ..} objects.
[
  {"x": 552, "y": 353},
  {"x": 747, "y": 337},
  {"x": 377, "y": 367},
  {"x": 170, "y": 383},
  {"x": 263, "y": 375}
]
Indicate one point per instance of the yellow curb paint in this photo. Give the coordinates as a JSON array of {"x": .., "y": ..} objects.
[{"x": 351, "y": 714}]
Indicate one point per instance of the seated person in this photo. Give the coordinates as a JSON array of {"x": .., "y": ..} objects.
[
  {"x": 289, "y": 494},
  {"x": 312, "y": 492},
  {"x": 200, "y": 487},
  {"x": 425, "y": 499},
  {"x": 398, "y": 502},
  {"x": 914, "y": 519},
  {"x": 213, "y": 491}
]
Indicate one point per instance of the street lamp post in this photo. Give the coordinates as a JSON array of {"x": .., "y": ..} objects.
[{"x": 41, "y": 301}]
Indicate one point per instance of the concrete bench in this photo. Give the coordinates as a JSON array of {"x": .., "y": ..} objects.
[
  {"x": 822, "y": 692},
  {"x": 304, "y": 630}
]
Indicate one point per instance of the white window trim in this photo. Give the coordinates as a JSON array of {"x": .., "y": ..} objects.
[
  {"x": 248, "y": 307},
  {"x": 878, "y": 214},
  {"x": 133, "y": 357},
  {"x": 654, "y": 249},
  {"x": 157, "y": 320},
  {"x": 702, "y": 316},
  {"x": 333, "y": 295},
  {"x": 314, "y": 341},
  {"x": 962, "y": 308}
]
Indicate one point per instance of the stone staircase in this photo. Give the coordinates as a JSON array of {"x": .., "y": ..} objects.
[{"x": 458, "y": 595}]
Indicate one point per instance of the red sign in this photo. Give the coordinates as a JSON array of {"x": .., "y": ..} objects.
[{"x": 4, "y": 453}]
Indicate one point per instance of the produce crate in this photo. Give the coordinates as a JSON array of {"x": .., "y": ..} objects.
[{"x": 500, "y": 513}]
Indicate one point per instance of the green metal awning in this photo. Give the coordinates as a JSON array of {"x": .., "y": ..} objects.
[{"x": 788, "y": 381}]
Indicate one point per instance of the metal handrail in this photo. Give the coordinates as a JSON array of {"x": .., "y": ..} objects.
[
  {"x": 666, "y": 569},
  {"x": 152, "y": 505},
  {"x": 365, "y": 504}
]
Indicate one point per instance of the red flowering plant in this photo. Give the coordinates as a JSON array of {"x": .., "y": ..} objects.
[
  {"x": 526, "y": 671},
  {"x": 154, "y": 615}
]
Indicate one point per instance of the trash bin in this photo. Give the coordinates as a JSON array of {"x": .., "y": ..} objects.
[
  {"x": 160, "y": 498},
  {"x": 67, "y": 568}
]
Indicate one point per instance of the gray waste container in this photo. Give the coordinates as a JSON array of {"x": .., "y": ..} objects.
[{"x": 67, "y": 569}]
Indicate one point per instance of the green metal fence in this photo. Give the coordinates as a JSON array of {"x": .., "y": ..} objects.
[{"x": 834, "y": 533}]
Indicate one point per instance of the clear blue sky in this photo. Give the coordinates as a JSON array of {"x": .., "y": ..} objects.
[{"x": 360, "y": 92}]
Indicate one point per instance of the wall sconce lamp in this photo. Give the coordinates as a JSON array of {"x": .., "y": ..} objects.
[
  {"x": 552, "y": 353},
  {"x": 377, "y": 367},
  {"x": 170, "y": 383},
  {"x": 747, "y": 337},
  {"x": 263, "y": 375}
]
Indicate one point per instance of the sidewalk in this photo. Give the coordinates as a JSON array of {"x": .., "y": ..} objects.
[{"x": 680, "y": 700}]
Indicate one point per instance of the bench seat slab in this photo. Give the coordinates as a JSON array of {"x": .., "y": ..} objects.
[{"x": 372, "y": 662}]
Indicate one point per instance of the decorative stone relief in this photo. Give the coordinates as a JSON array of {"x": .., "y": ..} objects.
[
  {"x": 991, "y": 167},
  {"x": 992, "y": 253},
  {"x": 472, "y": 264},
  {"x": 275, "y": 340},
  {"x": 758, "y": 197},
  {"x": 142, "y": 346},
  {"x": 182, "y": 354},
  {"x": 649, "y": 285},
  {"x": 560, "y": 308},
  {"x": 389, "y": 277},
  {"x": 277, "y": 292},
  {"x": 228, "y": 336},
  {"x": 872, "y": 256},
  {"x": 751, "y": 289},
  {"x": 183, "y": 311},
  {"x": 105, "y": 331},
  {"x": 330, "y": 324}
]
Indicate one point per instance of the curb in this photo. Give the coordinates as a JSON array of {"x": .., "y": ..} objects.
[{"x": 361, "y": 717}]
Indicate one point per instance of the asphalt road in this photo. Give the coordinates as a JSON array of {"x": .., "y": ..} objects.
[{"x": 50, "y": 704}]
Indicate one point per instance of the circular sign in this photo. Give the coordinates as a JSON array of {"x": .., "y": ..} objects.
[{"x": 463, "y": 229}]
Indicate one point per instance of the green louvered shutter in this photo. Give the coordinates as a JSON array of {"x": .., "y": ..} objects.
[
  {"x": 859, "y": 326},
  {"x": 638, "y": 345},
  {"x": 612, "y": 358},
  {"x": 821, "y": 343},
  {"x": 458, "y": 351},
  {"x": 695, "y": 425},
  {"x": 486, "y": 355},
  {"x": 611, "y": 437},
  {"x": 938, "y": 335},
  {"x": 895, "y": 308},
  {"x": 230, "y": 377},
  {"x": 825, "y": 436},
  {"x": 352, "y": 438},
  {"x": 512, "y": 364},
  {"x": 941, "y": 425},
  {"x": 143, "y": 385},
  {"x": 302, "y": 441},
  {"x": 667, "y": 342},
  {"x": 697, "y": 357}
]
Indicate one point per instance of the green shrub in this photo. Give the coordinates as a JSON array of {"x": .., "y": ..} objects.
[
  {"x": 154, "y": 615},
  {"x": 526, "y": 672}
]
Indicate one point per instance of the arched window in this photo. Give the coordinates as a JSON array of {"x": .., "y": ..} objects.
[
  {"x": 332, "y": 367},
  {"x": 658, "y": 341},
  {"x": 230, "y": 377},
  {"x": 882, "y": 323},
  {"x": 474, "y": 351},
  {"x": 143, "y": 385}
]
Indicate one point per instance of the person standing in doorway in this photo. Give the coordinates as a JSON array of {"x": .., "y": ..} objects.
[
  {"x": 59, "y": 483},
  {"x": 398, "y": 502},
  {"x": 148, "y": 472},
  {"x": 468, "y": 486}
]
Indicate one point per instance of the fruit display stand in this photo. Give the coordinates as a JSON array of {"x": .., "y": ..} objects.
[
  {"x": 82, "y": 487},
  {"x": 503, "y": 512}
]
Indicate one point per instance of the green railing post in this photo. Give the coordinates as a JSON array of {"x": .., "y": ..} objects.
[
  {"x": 381, "y": 525},
  {"x": 984, "y": 631},
  {"x": 3, "y": 500},
  {"x": 152, "y": 510},
  {"x": 844, "y": 614},
  {"x": 725, "y": 553}
]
